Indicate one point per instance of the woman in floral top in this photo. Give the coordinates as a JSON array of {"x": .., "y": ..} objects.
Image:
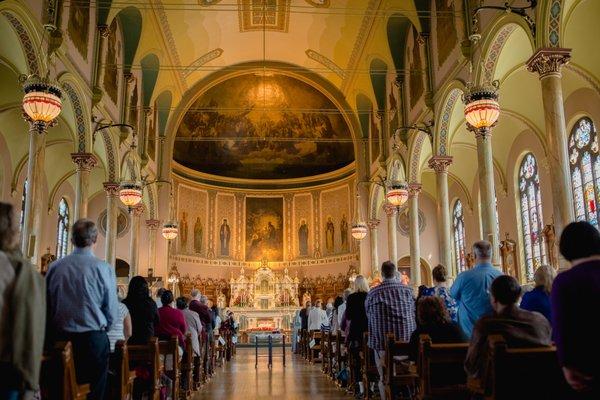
[{"x": 440, "y": 290}]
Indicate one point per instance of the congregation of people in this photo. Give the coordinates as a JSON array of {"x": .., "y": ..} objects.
[
  {"x": 481, "y": 302},
  {"x": 78, "y": 302}
]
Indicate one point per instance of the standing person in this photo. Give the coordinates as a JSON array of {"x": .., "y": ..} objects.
[
  {"x": 82, "y": 306},
  {"x": 142, "y": 310},
  {"x": 159, "y": 293},
  {"x": 337, "y": 303},
  {"x": 575, "y": 301},
  {"x": 439, "y": 289},
  {"x": 342, "y": 307},
  {"x": 304, "y": 316},
  {"x": 192, "y": 321},
  {"x": 470, "y": 289},
  {"x": 23, "y": 310},
  {"x": 316, "y": 317},
  {"x": 355, "y": 324},
  {"x": 520, "y": 328},
  {"x": 539, "y": 298},
  {"x": 390, "y": 309},
  {"x": 172, "y": 321},
  {"x": 121, "y": 328},
  {"x": 199, "y": 306}
]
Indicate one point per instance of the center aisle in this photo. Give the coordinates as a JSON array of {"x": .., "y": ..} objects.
[{"x": 239, "y": 380}]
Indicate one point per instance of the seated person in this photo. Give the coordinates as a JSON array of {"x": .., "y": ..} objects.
[
  {"x": 520, "y": 328},
  {"x": 434, "y": 321}
]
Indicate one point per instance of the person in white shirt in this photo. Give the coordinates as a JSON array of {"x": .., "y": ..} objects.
[
  {"x": 192, "y": 320},
  {"x": 342, "y": 308},
  {"x": 317, "y": 316}
]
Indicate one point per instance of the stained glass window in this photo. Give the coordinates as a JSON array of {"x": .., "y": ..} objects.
[
  {"x": 62, "y": 229},
  {"x": 585, "y": 171},
  {"x": 532, "y": 221},
  {"x": 459, "y": 237}
]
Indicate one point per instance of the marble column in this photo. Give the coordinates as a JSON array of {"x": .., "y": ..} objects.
[
  {"x": 547, "y": 63},
  {"x": 487, "y": 191},
  {"x": 415, "y": 246},
  {"x": 84, "y": 162},
  {"x": 373, "y": 224},
  {"x": 33, "y": 197},
  {"x": 440, "y": 165},
  {"x": 152, "y": 225},
  {"x": 134, "y": 251},
  {"x": 392, "y": 213},
  {"x": 104, "y": 33},
  {"x": 112, "y": 209}
]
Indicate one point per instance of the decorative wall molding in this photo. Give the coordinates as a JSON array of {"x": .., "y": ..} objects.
[
  {"x": 203, "y": 59},
  {"x": 329, "y": 64},
  {"x": 26, "y": 43},
  {"x": 305, "y": 262}
]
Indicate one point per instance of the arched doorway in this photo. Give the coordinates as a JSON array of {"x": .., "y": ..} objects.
[
  {"x": 121, "y": 268},
  {"x": 404, "y": 265}
]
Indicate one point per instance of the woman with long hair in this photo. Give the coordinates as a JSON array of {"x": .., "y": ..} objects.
[
  {"x": 142, "y": 309},
  {"x": 23, "y": 308}
]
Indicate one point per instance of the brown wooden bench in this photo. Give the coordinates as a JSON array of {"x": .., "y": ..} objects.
[
  {"x": 59, "y": 379},
  {"x": 441, "y": 369},
  {"x": 326, "y": 351},
  {"x": 122, "y": 386},
  {"x": 529, "y": 373},
  {"x": 169, "y": 349},
  {"x": 368, "y": 368},
  {"x": 147, "y": 356},
  {"x": 187, "y": 368},
  {"x": 315, "y": 350},
  {"x": 397, "y": 374},
  {"x": 341, "y": 357}
]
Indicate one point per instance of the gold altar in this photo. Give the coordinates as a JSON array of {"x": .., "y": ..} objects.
[{"x": 264, "y": 300}]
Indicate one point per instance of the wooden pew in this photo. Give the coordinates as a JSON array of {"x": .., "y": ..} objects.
[
  {"x": 148, "y": 356},
  {"x": 313, "y": 352},
  {"x": 341, "y": 357},
  {"x": 326, "y": 351},
  {"x": 532, "y": 373},
  {"x": 397, "y": 375},
  {"x": 198, "y": 364},
  {"x": 187, "y": 368},
  {"x": 368, "y": 367},
  {"x": 169, "y": 349},
  {"x": 441, "y": 369},
  {"x": 59, "y": 380},
  {"x": 122, "y": 387}
]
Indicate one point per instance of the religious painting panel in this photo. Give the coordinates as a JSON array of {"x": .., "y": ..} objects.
[
  {"x": 78, "y": 26},
  {"x": 375, "y": 136},
  {"x": 227, "y": 244},
  {"x": 257, "y": 126},
  {"x": 416, "y": 86},
  {"x": 446, "y": 34},
  {"x": 335, "y": 217},
  {"x": 264, "y": 228},
  {"x": 303, "y": 229},
  {"x": 192, "y": 216},
  {"x": 111, "y": 71}
]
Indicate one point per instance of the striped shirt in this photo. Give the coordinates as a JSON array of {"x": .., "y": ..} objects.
[
  {"x": 390, "y": 309},
  {"x": 116, "y": 332}
]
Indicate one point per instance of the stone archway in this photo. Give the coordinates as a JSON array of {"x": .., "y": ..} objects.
[{"x": 404, "y": 266}]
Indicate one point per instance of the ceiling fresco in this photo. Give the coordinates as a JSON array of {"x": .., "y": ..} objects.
[{"x": 263, "y": 126}]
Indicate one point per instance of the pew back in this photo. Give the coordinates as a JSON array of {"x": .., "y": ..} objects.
[{"x": 147, "y": 355}]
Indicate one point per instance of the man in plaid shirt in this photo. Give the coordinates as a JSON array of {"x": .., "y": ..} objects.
[{"x": 390, "y": 309}]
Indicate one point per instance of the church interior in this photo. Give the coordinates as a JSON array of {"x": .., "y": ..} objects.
[{"x": 268, "y": 152}]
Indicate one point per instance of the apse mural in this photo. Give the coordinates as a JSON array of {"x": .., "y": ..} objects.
[
  {"x": 264, "y": 228},
  {"x": 263, "y": 127}
]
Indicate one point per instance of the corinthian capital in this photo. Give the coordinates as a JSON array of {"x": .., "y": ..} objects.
[
  {"x": 152, "y": 224},
  {"x": 111, "y": 188},
  {"x": 84, "y": 161},
  {"x": 373, "y": 223},
  {"x": 548, "y": 61},
  {"x": 440, "y": 163},
  {"x": 414, "y": 189},
  {"x": 104, "y": 31}
]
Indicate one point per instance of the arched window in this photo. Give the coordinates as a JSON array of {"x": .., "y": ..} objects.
[
  {"x": 62, "y": 229},
  {"x": 532, "y": 221},
  {"x": 585, "y": 170},
  {"x": 458, "y": 225}
]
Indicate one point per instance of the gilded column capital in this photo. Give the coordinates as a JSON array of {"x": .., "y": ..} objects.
[
  {"x": 440, "y": 163},
  {"x": 481, "y": 133},
  {"x": 389, "y": 209},
  {"x": 111, "y": 188},
  {"x": 104, "y": 31},
  {"x": 414, "y": 189},
  {"x": 548, "y": 61},
  {"x": 373, "y": 223},
  {"x": 84, "y": 161},
  {"x": 129, "y": 79},
  {"x": 152, "y": 224},
  {"x": 138, "y": 210}
]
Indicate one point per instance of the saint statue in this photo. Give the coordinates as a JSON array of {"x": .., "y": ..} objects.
[
  {"x": 183, "y": 232},
  {"x": 344, "y": 232},
  {"x": 224, "y": 236},
  {"x": 329, "y": 236},
  {"x": 303, "y": 238},
  {"x": 198, "y": 236}
]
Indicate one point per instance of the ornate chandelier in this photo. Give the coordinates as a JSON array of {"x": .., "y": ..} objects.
[
  {"x": 397, "y": 194},
  {"x": 359, "y": 230},
  {"x": 170, "y": 230},
  {"x": 481, "y": 105},
  {"x": 130, "y": 193},
  {"x": 42, "y": 102}
]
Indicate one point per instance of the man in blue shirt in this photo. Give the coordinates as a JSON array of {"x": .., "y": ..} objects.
[
  {"x": 471, "y": 288},
  {"x": 82, "y": 305}
]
